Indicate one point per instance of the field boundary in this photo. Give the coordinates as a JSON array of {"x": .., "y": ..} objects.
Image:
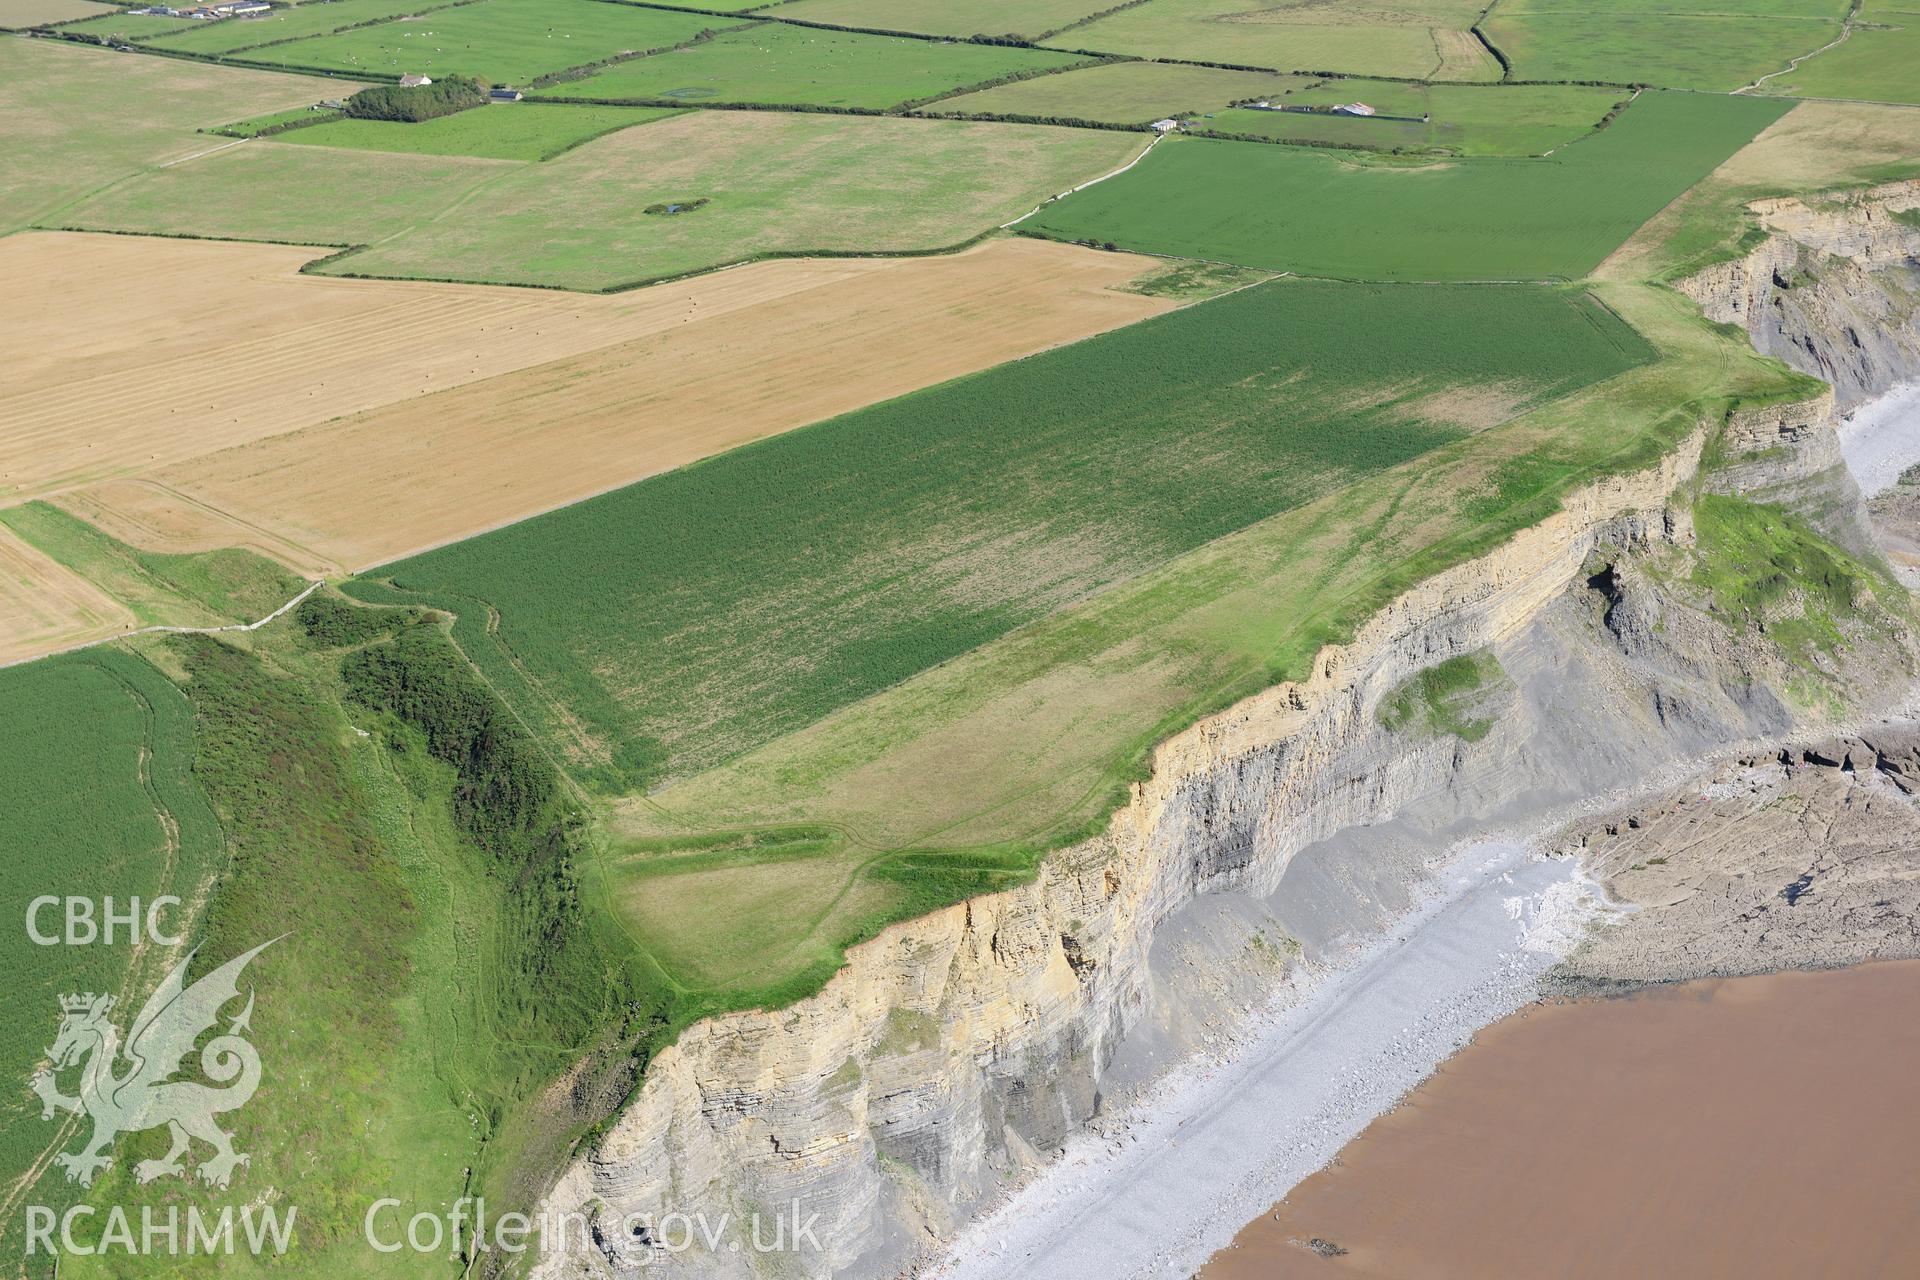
[{"x": 310, "y": 588}]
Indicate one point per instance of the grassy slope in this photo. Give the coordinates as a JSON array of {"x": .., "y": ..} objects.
[
  {"x": 427, "y": 992},
  {"x": 777, "y": 63},
  {"x": 98, "y": 801},
  {"x": 206, "y": 588},
  {"x": 1316, "y": 213},
  {"x": 517, "y": 131}
]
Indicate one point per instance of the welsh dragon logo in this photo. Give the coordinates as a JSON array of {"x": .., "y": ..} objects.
[{"x": 143, "y": 1096}]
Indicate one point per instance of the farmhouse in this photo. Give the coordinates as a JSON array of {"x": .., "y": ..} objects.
[
  {"x": 500, "y": 93},
  {"x": 1353, "y": 109},
  {"x": 414, "y": 82}
]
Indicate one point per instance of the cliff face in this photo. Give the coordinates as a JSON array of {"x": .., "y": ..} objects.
[
  {"x": 1833, "y": 290},
  {"x": 956, "y": 1050}
]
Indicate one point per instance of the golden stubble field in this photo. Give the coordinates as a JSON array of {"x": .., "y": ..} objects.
[{"x": 185, "y": 394}]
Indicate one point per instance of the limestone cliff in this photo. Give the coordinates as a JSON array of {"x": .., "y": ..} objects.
[
  {"x": 956, "y": 1050},
  {"x": 1833, "y": 289}
]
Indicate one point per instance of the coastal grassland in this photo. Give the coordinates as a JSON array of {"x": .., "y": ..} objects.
[
  {"x": 18, "y": 14},
  {"x": 787, "y": 65},
  {"x": 1816, "y": 147},
  {"x": 79, "y": 118},
  {"x": 1468, "y": 120},
  {"x": 774, "y": 182},
  {"x": 684, "y": 620},
  {"x": 498, "y": 41},
  {"x": 288, "y": 23},
  {"x": 519, "y": 131},
  {"x": 1121, "y": 92},
  {"x": 1670, "y": 47},
  {"x": 1483, "y": 218},
  {"x": 1029, "y": 19},
  {"x": 99, "y": 800},
  {"x": 1034, "y": 737},
  {"x": 207, "y": 588},
  {"x": 1426, "y": 39},
  {"x": 1879, "y": 61}
]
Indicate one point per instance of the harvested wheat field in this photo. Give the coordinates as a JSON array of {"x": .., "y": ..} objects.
[
  {"x": 123, "y": 354},
  {"x": 321, "y": 441},
  {"x": 44, "y": 606}
]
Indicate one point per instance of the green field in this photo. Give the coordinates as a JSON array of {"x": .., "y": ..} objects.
[
  {"x": 78, "y": 118},
  {"x": 1879, "y": 62},
  {"x": 1471, "y": 120},
  {"x": 775, "y": 63},
  {"x": 316, "y": 18},
  {"x": 1029, "y": 19},
  {"x": 1121, "y": 92},
  {"x": 206, "y": 588},
  {"x": 513, "y": 131},
  {"x": 668, "y": 617},
  {"x": 131, "y": 26},
  {"x": 499, "y": 41},
  {"x": 99, "y": 801},
  {"x": 1667, "y": 49},
  {"x": 776, "y": 182},
  {"x": 1427, "y": 39},
  {"x": 1321, "y": 214},
  {"x": 282, "y": 193}
]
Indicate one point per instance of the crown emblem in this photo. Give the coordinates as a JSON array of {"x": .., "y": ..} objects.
[{"x": 81, "y": 1003}]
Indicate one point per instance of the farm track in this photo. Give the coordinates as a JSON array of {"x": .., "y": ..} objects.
[{"x": 1793, "y": 64}]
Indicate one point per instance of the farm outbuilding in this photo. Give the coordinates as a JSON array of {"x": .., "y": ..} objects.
[{"x": 1353, "y": 109}]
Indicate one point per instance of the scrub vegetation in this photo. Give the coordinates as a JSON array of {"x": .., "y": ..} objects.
[{"x": 1450, "y": 697}]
